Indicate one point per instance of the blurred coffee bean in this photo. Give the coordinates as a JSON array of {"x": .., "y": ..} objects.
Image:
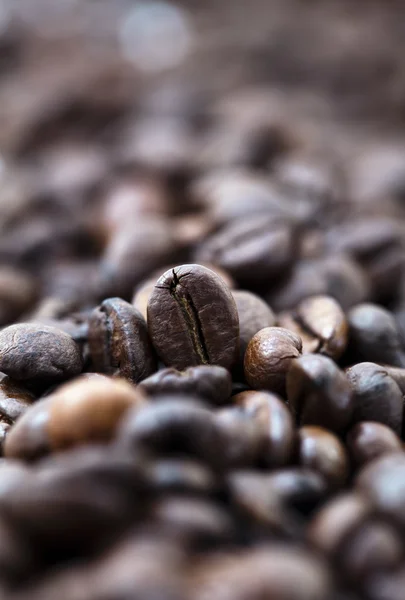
[
  {"x": 253, "y": 250},
  {"x": 374, "y": 547},
  {"x": 181, "y": 476},
  {"x": 300, "y": 488},
  {"x": 234, "y": 194},
  {"x": 367, "y": 441},
  {"x": 254, "y": 315},
  {"x": 319, "y": 393},
  {"x": 374, "y": 336},
  {"x": 28, "y": 439},
  {"x": 77, "y": 503},
  {"x": 376, "y": 396},
  {"x": 383, "y": 482},
  {"x": 14, "y": 401},
  {"x": 35, "y": 352},
  {"x": 192, "y": 319},
  {"x": 268, "y": 358},
  {"x": 174, "y": 426},
  {"x": 243, "y": 437},
  {"x": 322, "y": 451},
  {"x": 321, "y": 324},
  {"x": 197, "y": 522},
  {"x": 210, "y": 382},
  {"x": 336, "y": 276},
  {"x": 336, "y": 520},
  {"x": 386, "y": 586},
  {"x": 275, "y": 423},
  {"x": 18, "y": 292},
  {"x": 119, "y": 342},
  {"x": 17, "y": 557},
  {"x": 85, "y": 411},
  {"x": 270, "y": 571},
  {"x": 133, "y": 251}
]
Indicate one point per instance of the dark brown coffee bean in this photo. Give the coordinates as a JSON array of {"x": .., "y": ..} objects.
[
  {"x": 177, "y": 426},
  {"x": 254, "y": 315},
  {"x": 374, "y": 336},
  {"x": 210, "y": 382},
  {"x": 14, "y": 400},
  {"x": 367, "y": 441},
  {"x": 322, "y": 451},
  {"x": 58, "y": 507},
  {"x": 299, "y": 487},
  {"x": 398, "y": 375},
  {"x": 275, "y": 423},
  {"x": 335, "y": 522},
  {"x": 374, "y": 547},
  {"x": 271, "y": 571},
  {"x": 18, "y": 292},
  {"x": 268, "y": 358},
  {"x": 35, "y": 352},
  {"x": 197, "y": 522},
  {"x": 18, "y": 559},
  {"x": 133, "y": 252},
  {"x": 323, "y": 320},
  {"x": 192, "y": 319},
  {"x": 376, "y": 396},
  {"x": 181, "y": 476},
  {"x": 243, "y": 437},
  {"x": 28, "y": 439},
  {"x": 383, "y": 482},
  {"x": 319, "y": 393},
  {"x": 87, "y": 411},
  {"x": 119, "y": 342},
  {"x": 253, "y": 250}
]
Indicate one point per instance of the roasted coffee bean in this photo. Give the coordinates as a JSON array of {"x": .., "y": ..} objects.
[
  {"x": 336, "y": 520},
  {"x": 253, "y": 250},
  {"x": 243, "y": 437},
  {"x": 268, "y": 358},
  {"x": 376, "y": 396},
  {"x": 367, "y": 441},
  {"x": 374, "y": 547},
  {"x": 89, "y": 411},
  {"x": 322, "y": 451},
  {"x": 398, "y": 375},
  {"x": 197, "y": 522},
  {"x": 254, "y": 315},
  {"x": 134, "y": 251},
  {"x": 28, "y": 439},
  {"x": 18, "y": 292},
  {"x": 383, "y": 482},
  {"x": 35, "y": 352},
  {"x": 319, "y": 393},
  {"x": 299, "y": 487},
  {"x": 210, "y": 382},
  {"x": 321, "y": 324},
  {"x": 374, "y": 336},
  {"x": 119, "y": 342},
  {"x": 275, "y": 423},
  {"x": 271, "y": 571},
  {"x": 14, "y": 399},
  {"x": 174, "y": 426},
  {"x": 181, "y": 476},
  {"x": 76, "y": 502},
  {"x": 192, "y": 319}
]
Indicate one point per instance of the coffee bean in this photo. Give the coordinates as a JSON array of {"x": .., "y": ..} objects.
[
  {"x": 382, "y": 586},
  {"x": 18, "y": 292},
  {"x": 271, "y": 571},
  {"x": 254, "y": 315},
  {"x": 335, "y": 521},
  {"x": 35, "y": 352},
  {"x": 275, "y": 423},
  {"x": 192, "y": 319},
  {"x": 320, "y": 450},
  {"x": 253, "y": 250},
  {"x": 383, "y": 482},
  {"x": 174, "y": 426},
  {"x": 300, "y": 488},
  {"x": 119, "y": 342},
  {"x": 28, "y": 439},
  {"x": 376, "y": 396},
  {"x": 89, "y": 411},
  {"x": 210, "y": 382},
  {"x": 243, "y": 437},
  {"x": 324, "y": 325},
  {"x": 268, "y": 358},
  {"x": 367, "y": 441},
  {"x": 319, "y": 393},
  {"x": 181, "y": 476}
]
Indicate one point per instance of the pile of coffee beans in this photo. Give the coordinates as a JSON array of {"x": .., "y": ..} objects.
[{"x": 202, "y": 352}]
